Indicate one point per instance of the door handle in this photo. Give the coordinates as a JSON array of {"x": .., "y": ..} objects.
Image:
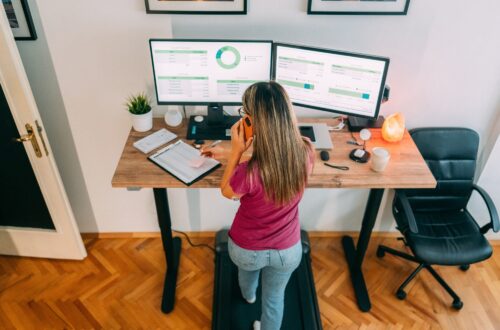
[
  {"x": 30, "y": 137},
  {"x": 25, "y": 137}
]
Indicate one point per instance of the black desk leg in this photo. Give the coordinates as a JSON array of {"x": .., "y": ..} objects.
[
  {"x": 355, "y": 255},
  {"x": 171, "y": 247}
]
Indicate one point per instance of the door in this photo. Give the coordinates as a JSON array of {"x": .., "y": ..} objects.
[{"x": 35, "y": 216}]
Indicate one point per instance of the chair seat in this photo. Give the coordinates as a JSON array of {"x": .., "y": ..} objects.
[{"x": 448, "y": 238}]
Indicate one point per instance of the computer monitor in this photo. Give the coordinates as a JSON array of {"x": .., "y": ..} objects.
[
  {"x": 208, "y": 72},
  {"x": 197, "y": 72},
  {"x": 329, "y": 80}
]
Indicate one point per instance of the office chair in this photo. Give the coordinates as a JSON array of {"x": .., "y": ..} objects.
[{"x": 435, "y": 223}]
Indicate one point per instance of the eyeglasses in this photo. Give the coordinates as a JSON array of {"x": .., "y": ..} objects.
[{"x": 241, "y": 112}]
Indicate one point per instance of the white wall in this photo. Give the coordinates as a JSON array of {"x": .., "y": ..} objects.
[
  {"x": 489, "y": 178},
  {"x": 444, "y": 71},
  {"x": 101, "y": 56},
  {"x": 490, "y": 181},
  {"x": 40, "y": 71}
]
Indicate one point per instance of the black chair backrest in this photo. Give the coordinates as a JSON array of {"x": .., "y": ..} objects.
[{"x": 451, "y": 156}]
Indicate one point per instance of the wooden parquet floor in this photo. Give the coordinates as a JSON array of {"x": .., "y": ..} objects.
[{"x": 119, "y": 285}]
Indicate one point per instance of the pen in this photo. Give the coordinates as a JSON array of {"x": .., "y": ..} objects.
[
  {"x": 213, "y": 144},
  {"x": 207, "y": 153}
]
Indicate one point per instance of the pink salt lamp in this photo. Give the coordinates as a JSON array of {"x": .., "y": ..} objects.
[{"x": 394, "y": 127}]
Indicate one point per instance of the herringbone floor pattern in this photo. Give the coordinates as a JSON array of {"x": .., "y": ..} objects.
[{"x": 119, "y": 286}]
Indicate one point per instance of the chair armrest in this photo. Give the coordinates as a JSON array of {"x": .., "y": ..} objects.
[
  {"x": 405, "y": 204},
  {"x": 494, "y": 221}
]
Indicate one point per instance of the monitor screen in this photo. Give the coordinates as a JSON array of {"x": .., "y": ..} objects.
[
  {"x": 208, "y": 71},
  {"x": 328, "y": 80}
]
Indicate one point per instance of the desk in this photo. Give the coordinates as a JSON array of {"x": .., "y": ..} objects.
[{"x": 406, "y": 169}]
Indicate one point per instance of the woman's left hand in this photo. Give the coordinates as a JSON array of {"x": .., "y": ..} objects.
[{"x": 238, "y": 143}]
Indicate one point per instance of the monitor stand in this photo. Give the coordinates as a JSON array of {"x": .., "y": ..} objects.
[
  {"x": 356, "y": 124},
  {"x": 214, "y": 126}
]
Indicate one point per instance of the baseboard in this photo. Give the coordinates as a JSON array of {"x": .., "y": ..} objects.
[
  {"x": 156, "y": 234},
  {"x": 211, "y": 234},
  {"x": 338, "y": 234}
]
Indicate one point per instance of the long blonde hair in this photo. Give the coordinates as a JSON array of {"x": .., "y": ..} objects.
[{"x": 279, "y": 151}]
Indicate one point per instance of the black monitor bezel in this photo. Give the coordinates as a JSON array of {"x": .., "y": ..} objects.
[
  {"x": 337, "y": 52},
  {"x": 204, "y": 40}
]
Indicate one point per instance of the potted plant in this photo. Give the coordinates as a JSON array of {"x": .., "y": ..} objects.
[{"x": 140, "y": 111}]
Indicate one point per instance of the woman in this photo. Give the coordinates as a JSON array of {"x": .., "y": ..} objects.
[{"x": 265, "y": 234}]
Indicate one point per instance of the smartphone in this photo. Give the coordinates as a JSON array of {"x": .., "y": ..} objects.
[{"x": 247, "y": 126}]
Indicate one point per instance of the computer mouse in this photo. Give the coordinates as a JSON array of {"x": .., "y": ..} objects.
[{"x": 324, "y": 155}]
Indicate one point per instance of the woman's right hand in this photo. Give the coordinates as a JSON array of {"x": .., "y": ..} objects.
[
  {"x": 238, "y": 143},
  {"x": 216, "y": 152}
]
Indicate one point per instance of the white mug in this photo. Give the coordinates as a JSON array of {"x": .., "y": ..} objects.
[{"x": 380, "y": 159}]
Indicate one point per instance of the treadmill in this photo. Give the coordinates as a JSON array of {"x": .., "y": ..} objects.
[{"x": 231, "y": 311}]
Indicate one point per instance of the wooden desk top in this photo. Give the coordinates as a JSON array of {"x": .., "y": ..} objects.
[{"x": 406, "y": 169}]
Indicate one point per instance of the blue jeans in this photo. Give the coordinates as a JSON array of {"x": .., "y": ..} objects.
[{"x": 277, "y": 266}]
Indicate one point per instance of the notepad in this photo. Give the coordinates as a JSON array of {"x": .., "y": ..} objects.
[{"x": 179, "y": 160}]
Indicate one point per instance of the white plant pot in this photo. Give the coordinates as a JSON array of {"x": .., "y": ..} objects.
[{"x": 142, "y": 123}]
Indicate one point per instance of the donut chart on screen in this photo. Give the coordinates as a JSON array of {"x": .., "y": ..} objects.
[{"x": 228, "y": 57}]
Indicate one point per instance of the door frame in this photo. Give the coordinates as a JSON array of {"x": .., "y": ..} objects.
[{"x": 65, "y": 241}]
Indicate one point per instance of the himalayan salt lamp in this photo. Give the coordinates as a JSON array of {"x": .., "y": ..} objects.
[{"x": 394, "y": 127}]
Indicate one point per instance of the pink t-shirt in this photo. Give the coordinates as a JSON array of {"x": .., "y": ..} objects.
[{"x": 260, "y": 224}]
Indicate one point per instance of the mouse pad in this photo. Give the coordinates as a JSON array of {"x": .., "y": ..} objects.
[{"x": 206, "y": 131}]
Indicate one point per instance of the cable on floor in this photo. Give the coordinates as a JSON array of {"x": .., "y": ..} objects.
[{"x": 191, "y": 243}]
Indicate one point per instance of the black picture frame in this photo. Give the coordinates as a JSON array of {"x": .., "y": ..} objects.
[
  {"x": 26, "y": 21},
  {"x": 311, "y": 12},
  {"x": 149, "y": 10}
]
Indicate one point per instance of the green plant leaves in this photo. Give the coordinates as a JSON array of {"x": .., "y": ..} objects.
[{"x": 139, "y": 104}]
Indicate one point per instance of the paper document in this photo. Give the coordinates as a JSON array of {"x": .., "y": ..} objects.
[{"x": 177, "y": 159}]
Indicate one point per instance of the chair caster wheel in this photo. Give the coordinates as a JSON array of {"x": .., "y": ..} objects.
[
  {"x": 380, "y": 253},
  {"x": 401, "y": 294},
  {"x": 464, "y": 267},
  {"x": 457, "y": 304}
]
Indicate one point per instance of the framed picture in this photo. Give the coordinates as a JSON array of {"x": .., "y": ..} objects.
[
  {"x": 19, "y": 16},
  {"x": 358, "y": 7},
  {"x": 207, "y": 7}
]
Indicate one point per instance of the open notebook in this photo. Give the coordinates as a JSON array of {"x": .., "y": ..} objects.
[{"x": 183, "y": 162}]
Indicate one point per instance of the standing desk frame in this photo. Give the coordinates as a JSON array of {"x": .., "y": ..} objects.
[
  {"x": 171, "y": 247},
  {"x": 406, "y": 169}
]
